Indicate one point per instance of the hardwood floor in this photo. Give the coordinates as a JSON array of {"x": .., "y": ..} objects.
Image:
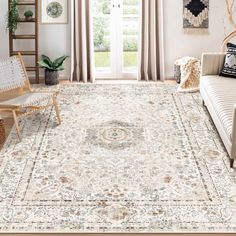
[
  {"x": 8, "y": 123},
  {"x": 107, "y": 234}
]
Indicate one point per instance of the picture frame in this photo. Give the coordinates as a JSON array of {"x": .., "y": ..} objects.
[{"x": 54, "y": 11}]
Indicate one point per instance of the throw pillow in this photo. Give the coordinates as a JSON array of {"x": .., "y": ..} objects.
[{"x": 229, "y": 69}]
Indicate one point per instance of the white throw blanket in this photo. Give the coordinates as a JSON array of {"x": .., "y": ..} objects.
[{"x": 190, "y": 74}]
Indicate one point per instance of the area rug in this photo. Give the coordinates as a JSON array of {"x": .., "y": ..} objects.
[{"x": 127, "y": 158}]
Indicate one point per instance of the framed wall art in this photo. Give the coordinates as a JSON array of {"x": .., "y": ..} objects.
[
  {"x": 196, "y": 16},
  {"x": 54, "y": 11}
]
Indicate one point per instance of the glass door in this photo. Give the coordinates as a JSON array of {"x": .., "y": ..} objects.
[
  {"x": 116, "y": 31},
  {"x": 130, "y": 37}
]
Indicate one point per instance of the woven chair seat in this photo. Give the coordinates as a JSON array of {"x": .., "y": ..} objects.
[
  {"x": 13, "y": 76},
  {"x": 28, "y": 99}
]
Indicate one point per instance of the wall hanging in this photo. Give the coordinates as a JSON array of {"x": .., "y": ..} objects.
[
  {"x": 54, "y": 12},
  {"x": 196, "y": 16}
]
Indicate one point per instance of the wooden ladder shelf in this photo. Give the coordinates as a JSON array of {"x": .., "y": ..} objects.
[{"x": 34, "y": 36}]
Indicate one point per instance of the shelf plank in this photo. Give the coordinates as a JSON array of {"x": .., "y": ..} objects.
[
  {"x": 24, "y": 36},
  {"x": 26, "y": 3},
  {"x": 22, "y": 20},
  {"x": 31, "y": 68},
  {"x": 24, "y": 53}
]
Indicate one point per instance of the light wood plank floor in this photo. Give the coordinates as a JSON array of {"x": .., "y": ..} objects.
[{"x": 57, "y": 234}]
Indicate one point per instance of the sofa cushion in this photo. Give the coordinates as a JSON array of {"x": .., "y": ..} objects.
[{"x": 222, "y": 94}]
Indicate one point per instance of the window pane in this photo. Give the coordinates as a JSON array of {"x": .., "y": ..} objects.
[
  {"x": 101, "y": 34},
  {"x": 131, "y": 25}
]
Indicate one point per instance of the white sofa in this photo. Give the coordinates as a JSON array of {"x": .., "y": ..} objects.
[{"x": 219, "y": 96}]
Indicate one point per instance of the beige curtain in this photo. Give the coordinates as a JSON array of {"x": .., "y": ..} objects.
[
  {"x": 151, "y": 55},
  {"x": 82, "y": 41}
]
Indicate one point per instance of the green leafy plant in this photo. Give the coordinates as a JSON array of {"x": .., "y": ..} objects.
[
  {"x": 56, "y": 65},
  {"x": 28, "y": 14},
  {"x": 13, "y": 16}
]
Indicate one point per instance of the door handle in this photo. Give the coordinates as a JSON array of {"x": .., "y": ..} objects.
[{"x": 115, "y": 5}]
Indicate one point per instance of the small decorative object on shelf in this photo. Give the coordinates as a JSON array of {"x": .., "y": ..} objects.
[
  {"x": 2, "y": 131},
  {"x": 52, "y": 68},
  {"x": 28, "y": 15}
]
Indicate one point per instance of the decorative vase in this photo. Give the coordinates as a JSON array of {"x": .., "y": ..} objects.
[
  {"x": 28, "y": 18},
  {"x": 51, "y": 77}
]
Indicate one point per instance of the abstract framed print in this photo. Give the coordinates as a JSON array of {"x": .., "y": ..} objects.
[{"x": 54, "y": 11}]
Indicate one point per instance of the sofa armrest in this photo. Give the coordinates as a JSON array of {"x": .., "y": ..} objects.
[{"x": 212, "y": 63}]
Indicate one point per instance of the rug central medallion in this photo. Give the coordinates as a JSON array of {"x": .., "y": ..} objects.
[{"x": 115, "y": 135}]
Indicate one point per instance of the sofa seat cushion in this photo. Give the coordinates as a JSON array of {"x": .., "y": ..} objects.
[{"x": 221, "y": 92}]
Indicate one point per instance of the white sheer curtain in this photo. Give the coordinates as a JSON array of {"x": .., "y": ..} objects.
[
  {"x": 151, "y": 63},
  {"x": 82, "y": 55}
]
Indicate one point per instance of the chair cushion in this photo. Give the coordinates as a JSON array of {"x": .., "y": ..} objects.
[
  {"x": 222, "y": 94},
  {"x": 28, "y": 99}
]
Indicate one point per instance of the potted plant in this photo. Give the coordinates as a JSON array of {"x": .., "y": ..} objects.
[
  {"x": 13, "y": 17},
  {"x": 52, "y": 68},
  {"x": 28, "y": 15}
]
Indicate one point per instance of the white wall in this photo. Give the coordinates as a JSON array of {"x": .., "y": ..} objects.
[
  {"x": 179, "y": 45},
  {"x": 54, "y": 40}
]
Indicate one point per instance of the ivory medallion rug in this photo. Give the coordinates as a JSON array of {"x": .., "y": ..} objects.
[{"x": 127, "y": 158}]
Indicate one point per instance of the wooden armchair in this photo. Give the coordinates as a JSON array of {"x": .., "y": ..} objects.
[{"x": 17, "y": 96}]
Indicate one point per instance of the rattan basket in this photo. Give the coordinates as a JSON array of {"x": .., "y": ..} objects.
[
  {"x": 2, "y": 132},
  {"x": 177, "y": 73}
]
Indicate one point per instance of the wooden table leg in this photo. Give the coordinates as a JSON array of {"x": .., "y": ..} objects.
[{"x": 2, "y": 131}]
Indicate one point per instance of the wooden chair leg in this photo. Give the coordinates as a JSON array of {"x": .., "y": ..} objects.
[
  {"x": 203, "y": 103},
  {"x": 231, "y": 163},
  {"x": 56, "y": 109},
  {"x": 16, "y": 124}
]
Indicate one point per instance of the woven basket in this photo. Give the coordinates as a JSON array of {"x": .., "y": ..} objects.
[
  {"x": 177, "y": 73},
  {"x": 2, "y": 132}
]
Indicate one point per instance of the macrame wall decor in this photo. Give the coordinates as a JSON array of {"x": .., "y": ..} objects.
[{"x": 196, "y": 16}]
